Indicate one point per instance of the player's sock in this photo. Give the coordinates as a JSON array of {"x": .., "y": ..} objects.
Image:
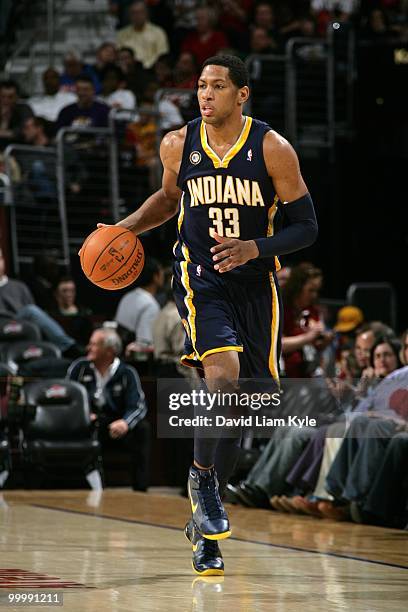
[
  {"x": 226, "y": 458},
  {"x": 208, "y": 513},
  {"x": 207, "y": 558}
]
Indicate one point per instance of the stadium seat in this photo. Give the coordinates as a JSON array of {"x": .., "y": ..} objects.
[
  {"x": 377, "y": 301},
  {"x": 19, "y": 354},
  {"x": 58, "y": 442},
  {"x": 12, "y": 331}
]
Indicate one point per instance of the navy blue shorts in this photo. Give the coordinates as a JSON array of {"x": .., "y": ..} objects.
[{"x": 226, "y": 315}]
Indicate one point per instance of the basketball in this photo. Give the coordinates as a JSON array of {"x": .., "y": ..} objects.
[{"x": 112, "y": 257}]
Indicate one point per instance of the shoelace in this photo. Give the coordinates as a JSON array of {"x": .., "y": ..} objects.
[{"x": 211, "y": 500}]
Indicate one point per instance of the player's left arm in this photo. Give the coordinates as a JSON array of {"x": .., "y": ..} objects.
[{"x": 283, "y": 167}]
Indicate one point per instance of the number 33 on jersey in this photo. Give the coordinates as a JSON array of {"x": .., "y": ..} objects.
[{"x": 233, "y": 197}]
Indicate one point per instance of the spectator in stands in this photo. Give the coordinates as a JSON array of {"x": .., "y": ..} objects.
[
  {"x": 53, "y": 100},
  {"x": 133, "y": 70},
  {"x": 76, "y": 320},
  {"x": 186, "y": 71},
  {"x": 87, "y": 111},
  {"x": 264, "y": 18},
  {"x": 170, "y": 117},
  {"x": 163, "y": 70},
  {"x": 302, "y": 326},
  {"x": 233, "y": 18},
  {"x": 12, "y": 114},
  {"x": 168, "y": 338},
  {"x": 117, "y": 401},
  {"x": 74, "y": 68},
  {"x": 261, "y": 42},
  {"x": 184, "y": 20},
  {"x": 114, "y": 91},
  {"x": 43, "y": 278},
  {"x": 138, "y": 309},
  {"x": 106, "y": 55},
  {"x": 41, "y": 180},
  {"x": 147, "y": 40},
  {"x": 205, "y": 41},
  {"x": 17, "y": 302}
]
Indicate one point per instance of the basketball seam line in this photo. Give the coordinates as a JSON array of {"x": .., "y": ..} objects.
[
  {"x": 124, "y": 263},
  {"x": 104, "y": 248}
]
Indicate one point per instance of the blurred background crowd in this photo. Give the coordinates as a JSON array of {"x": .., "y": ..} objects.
[{"x": 84, "y": 102}]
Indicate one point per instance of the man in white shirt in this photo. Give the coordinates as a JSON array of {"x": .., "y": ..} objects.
[
  {"x": 138, "y": 309},
  {"x": 49, "y": 105},
  {"x": 146, "y": 39}
]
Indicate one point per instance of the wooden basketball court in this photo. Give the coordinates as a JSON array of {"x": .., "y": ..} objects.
[{"x": 125, "y": 551}]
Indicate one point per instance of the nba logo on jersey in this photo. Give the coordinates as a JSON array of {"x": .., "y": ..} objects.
[
  {"x": 249, "y": 155},
  {"x": 198, "y": 271}
]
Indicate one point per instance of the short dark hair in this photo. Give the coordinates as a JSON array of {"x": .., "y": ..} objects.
[
  {"x": 9, "y": 84},
  {"x": 238, "y": 72},
  {"x": 112, "y": 68},
  {"x": 152, "y": 266},
  {"x": 85, "y": 79},
  {"x": 128, "y": 50}
]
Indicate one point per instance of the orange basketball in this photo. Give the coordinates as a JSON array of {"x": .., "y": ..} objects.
[{"x": 112, "y": 257}]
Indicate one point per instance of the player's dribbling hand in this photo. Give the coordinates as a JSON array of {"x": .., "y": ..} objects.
[{"x": 231, "y": 252}]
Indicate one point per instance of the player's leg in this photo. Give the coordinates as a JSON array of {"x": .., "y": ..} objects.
[{"x": 209, "y": 518}]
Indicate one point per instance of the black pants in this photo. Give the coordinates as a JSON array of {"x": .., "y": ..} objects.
[{"x": 137, "y": 442}]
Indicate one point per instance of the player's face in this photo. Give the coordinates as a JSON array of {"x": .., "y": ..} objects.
[{"x": 218, "y": 97}]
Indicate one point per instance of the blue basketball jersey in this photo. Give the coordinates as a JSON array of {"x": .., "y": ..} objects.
[{"x": 233, "y": 197}]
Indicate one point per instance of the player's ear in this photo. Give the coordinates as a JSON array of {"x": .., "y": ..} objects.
[{"x": 243, "y": 95}]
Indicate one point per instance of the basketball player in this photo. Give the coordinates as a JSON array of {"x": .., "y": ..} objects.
[{"x": 231, "y": 179}]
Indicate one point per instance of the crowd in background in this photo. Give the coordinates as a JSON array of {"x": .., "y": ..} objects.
[
  {"x": 349, "y": 469},
  {"x": 162, "y": 44}
]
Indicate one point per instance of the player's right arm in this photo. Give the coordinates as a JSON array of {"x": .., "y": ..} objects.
[{"x": 163, "y": 204}]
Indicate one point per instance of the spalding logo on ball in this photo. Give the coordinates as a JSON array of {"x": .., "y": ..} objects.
[{"x": 112, "y": 257}]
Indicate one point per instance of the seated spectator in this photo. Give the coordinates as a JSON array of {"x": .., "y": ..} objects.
[
  {"x": 186, "y": 71},
  {"x": 264, "y": 17},
  {"x": 74, "y": 319},
  {"x": 117, "y": 401},
  {"x": 138, "y": 309},
  {"x": 304, "y": 334},
  {"x": 205, "y": 41},
  {"x": 168, "y": 338},
  {"x": 147, "y": 40},
  {"x": 233, "y": 20},
  {"x": 74, "y": 68},
  {"x": 106, "y": 55},
  {"x": 17, "y": 302},
  {"x": 41, "y": 281},
  {"x": 133, "y": 70},
  {"x": 12, "y": 114},
  {"x": 41, "y": 179},
  {"x": 87, "y": 111},
  {"x": 114, "y": 92},
  {"x": 170, "y": 116},
  {"x": 163, "y": 70},
  {"x": 261, "y": 43},
  {"x": 53, "y": 100}
]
